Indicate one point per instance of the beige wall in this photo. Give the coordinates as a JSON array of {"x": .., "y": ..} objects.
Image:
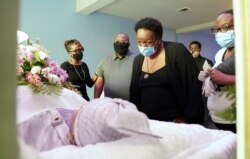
[{"x": 8, "y": 26}]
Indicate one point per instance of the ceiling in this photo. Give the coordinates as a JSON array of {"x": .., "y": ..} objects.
[{"x": 201, "y": 15}]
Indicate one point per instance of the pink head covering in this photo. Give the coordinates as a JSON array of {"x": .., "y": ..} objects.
[{"x": 106, "y": 119}]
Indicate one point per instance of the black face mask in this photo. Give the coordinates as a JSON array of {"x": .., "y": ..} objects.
[
  {"x": 77, "y": 56},
  {"x": 121, "y": 49}
]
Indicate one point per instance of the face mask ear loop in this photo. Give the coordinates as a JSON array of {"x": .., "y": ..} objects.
[{"x": 156, "y": 46}]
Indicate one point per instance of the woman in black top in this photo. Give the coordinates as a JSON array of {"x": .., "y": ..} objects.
[
  {"x": 164, "y": 82},
  {"x": 77, "y": 70}
]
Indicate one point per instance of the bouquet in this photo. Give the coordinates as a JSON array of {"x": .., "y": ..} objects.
[{"x": 38, "y": 71}]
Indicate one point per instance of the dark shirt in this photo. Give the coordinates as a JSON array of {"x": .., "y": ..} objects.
[
  {"x": 200, "y": 62},
  {"x": 160, "y": 82},
  {"x": 180, "y": 93},
  {"x": 79, "y": 76}
]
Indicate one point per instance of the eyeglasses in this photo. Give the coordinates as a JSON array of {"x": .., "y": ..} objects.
[{"x": 224, "y": 28}]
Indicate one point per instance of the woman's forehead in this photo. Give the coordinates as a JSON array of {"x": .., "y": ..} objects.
[
  {"x": 145, "y": 34},
  {"x": 224, "y": 19}
]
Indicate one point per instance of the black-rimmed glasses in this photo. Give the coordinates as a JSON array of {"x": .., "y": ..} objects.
[{"x": 223, "y": 28}]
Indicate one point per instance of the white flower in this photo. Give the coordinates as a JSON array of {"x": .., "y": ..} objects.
[
  {"x": 53, "y": 78},
  {"x": 35, "y": 69},
  {"x": 46, "y": 70},
  {"x": 42, "y": 55},
  {"x": 30, "y": 49},
  {"x": 21, "y": 36}
]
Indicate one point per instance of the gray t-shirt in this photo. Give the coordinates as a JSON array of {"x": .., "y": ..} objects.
[
  {"x": 228, "y": 66},
  {"x": 117, "y": 73}
]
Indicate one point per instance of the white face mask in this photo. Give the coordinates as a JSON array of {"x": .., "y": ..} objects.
[{"x": 225, "y": 39}]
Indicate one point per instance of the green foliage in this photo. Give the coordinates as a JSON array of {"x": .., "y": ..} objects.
[{"x": 21, "y": 80}]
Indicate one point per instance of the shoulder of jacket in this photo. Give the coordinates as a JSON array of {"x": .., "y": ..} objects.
[
  {"x": 139, "y": 57},
  {"x": 172, "y": 44},
  {"x": 65, "y": 64}
]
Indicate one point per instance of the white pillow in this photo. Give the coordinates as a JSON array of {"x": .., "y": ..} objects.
[{"x": 106, "y": 119}]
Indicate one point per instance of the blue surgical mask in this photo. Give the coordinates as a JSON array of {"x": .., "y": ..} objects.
[
  {"x": 147, "y": 51},
  {"x": 225, "y": 39}
]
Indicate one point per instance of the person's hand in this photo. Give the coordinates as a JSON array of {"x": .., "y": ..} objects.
[
  {"x": 179, "y": 120},
  {"x": 202, "y": 75},
  {"x": 195, "y": 53},
  {"x": 220, "y": 78},
  {"x": 94, "y": 77}
]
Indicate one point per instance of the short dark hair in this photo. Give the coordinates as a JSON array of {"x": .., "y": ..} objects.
[
  {"x": 195, "y": 42},
  {"x": 70, "y": 42},
  {"x": 151, "y": 24}
]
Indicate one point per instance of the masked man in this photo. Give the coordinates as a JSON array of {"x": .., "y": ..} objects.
[{"x": 114, "y": 72}]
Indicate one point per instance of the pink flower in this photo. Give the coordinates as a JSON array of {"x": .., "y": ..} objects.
[
  {"x": 19, "y": 70},
  {"x": 35, "y": 66},
  {"x": 63, "y": 78},
  {"x": 33, "y": 79}
]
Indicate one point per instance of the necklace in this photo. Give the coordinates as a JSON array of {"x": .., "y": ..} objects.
[
  {"x": 82, "y": 79},
  {"x": 149, "y": 68}
]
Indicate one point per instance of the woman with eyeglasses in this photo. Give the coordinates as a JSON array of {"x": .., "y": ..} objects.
[
  {"x": 77, "y": 70},
  {"x": 223, "y": 72},
  {"x": 164, "y": 81}
]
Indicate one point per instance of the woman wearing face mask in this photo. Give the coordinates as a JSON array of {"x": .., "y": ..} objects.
[
  {"x": 164, "y": 81},
  {"x": 77, "y": 70},
  {"x": 224, "y": 36}
]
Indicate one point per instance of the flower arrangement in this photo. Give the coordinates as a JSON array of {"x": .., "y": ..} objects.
[{"x": 38, "y": 71}]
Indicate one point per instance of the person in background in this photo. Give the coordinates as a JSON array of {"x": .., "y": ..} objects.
[
  {"x": 202, "y": 62},
  {"x": 77, "y": 70},
  {"x": 195, "y": 50},
  {"x": 164, "y": 82},
  {"x": 217, "y": 102},
  {"x": 114, "y": 72}
]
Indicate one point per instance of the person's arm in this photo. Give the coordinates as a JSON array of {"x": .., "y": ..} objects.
[
  {"x": 190, "y": 92},
  {"x": 99, "y": 83},
  {"x": 98, "y": 87},
  {"x": 94, "y": 77},
  {"x": 221, "y": 78},
  {"x": 64, "y": 66},
  {"x": 90, "y": 81}
]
